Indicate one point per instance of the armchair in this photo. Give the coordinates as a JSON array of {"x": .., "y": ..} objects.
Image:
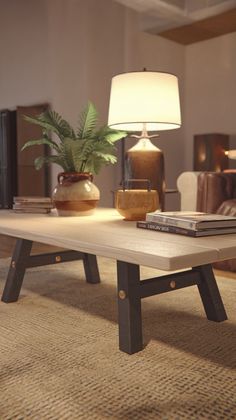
[{"x": 210, "y": 192}]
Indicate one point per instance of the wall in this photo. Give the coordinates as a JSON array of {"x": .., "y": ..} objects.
[
  {"x": 24, "y": 53},
  {"x": 66, "y": 52},
  {"x": 210, "y": 90},
  {"x": 86, "y": 43}
]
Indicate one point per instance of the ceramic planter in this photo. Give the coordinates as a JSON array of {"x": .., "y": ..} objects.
[{"x": 75, "y": 194}]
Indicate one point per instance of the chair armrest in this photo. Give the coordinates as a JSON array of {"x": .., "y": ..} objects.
[{"x": 187, "y": 184}]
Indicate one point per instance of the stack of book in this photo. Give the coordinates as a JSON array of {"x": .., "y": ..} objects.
[
  {"x": 41, "y": 205},
  {"x": 189, "y": 223}
]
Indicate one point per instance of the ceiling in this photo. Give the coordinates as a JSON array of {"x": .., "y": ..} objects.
[{"x": 185, "y": 21}]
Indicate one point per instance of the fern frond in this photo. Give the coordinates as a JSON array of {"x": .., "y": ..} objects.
[
  {"x": 88, "y": 120},
  {"x": 103, "y": 146},
  {"x": 77, "y": 155},
  {"x": 108, "y": 134},
  {"x": 43, "y": 123},
  {"x": 56, "y": 121},
  {"x": 88, "y": 151},
  {"x": 47, "y": 160},
  {"x": 106, "y": 157},
  {"x": 93, "y": 165},
  {"x": 38, "y": 142},
  {"x": 88, "y": 147},
  {"x": 52, "y": 121},
  {"x": 67, "y": 154}
]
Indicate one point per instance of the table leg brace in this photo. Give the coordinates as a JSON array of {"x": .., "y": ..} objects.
[
  {"x": 21, "y": 260},
  {"x": 131, "y": 290}
]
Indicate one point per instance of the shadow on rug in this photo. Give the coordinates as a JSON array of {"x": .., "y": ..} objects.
[{"x": 60, "y": 357}]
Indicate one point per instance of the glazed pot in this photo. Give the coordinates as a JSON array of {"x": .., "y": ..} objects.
[
  {"x": 134, "y": 204},
  {"x": 75, "y": 194}
]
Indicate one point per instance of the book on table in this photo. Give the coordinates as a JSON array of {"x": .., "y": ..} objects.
[
  {"x": 184, "y": 231},
  {"x": 32, "y": 199},
  {"x": 34, "y": 204},
  {"x": 36, "y": 210},
  {"x": 191, "y": 220}
]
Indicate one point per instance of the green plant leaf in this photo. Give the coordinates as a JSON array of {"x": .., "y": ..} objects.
[
  {"x": 88, "y": 151},
  {"x": 47, "y": 160},
  {"x": 42, "y": 123},
  {"x": 67, "y": 154},
  {"x": 52, "y": 121},
  {"x": 93, "y": 165},
  {"x": 39, "y": 162},
  {"x": 87, "y": 122},
  {"x": 110, "y": 135},
  {"x": 115, "y": 136},
  {"x": 38, "y": 142},
  {"x": 55, "y": 120},
  {"x": 77, "y": 155},
  {"x": 106, "y": 157}
]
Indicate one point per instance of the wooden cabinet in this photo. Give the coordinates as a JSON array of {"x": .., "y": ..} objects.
[
  {"x": 18, "y": 175},
  {"x": 8, "y": 161},
  {"x": 29, "y": 180}
]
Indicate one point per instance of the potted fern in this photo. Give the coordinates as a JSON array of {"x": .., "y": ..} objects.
[{"x": 80, "y": 153}]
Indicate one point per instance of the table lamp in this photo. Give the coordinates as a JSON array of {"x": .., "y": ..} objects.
[{"x": 146, "y": 101}]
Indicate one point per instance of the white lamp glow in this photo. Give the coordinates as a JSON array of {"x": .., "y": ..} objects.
[
  {"x": 144, "y": 97},
  {"x": 231, "y": 154}
]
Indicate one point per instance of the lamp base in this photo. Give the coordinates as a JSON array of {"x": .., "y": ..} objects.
[{"x": 146, "y": 161}]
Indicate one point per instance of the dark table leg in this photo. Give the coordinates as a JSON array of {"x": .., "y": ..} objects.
[
  {"x": 210, "y": 295},
  {"x": 91, "y": 268},
  {"x": 129, "y": 308},
  {"x": 131, "y": 290},
  {"x": 17, "y": 270}
]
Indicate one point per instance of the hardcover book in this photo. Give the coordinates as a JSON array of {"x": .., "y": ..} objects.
[
  {"x": 32, "y": 199},
  {"x": 34, "y": 204},
  {"x": 191, "y": 220},
  {"x": 183, "y": 231},
  {"x": 32, "y": 210}
]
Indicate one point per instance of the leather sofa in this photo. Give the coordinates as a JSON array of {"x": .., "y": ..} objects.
[
  {"x": 210, "y": 192},
  {"x": 216, "y": 193}
]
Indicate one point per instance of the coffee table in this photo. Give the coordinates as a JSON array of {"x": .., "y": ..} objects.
[{"x": 107, "y": 234}]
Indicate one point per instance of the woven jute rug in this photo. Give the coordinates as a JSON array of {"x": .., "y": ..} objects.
[{"x": 59, "y": 356}]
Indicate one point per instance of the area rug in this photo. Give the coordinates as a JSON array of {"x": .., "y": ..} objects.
[{"x": 60, "y": 359}]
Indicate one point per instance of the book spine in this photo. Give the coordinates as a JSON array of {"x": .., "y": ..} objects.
[
  {"x": 32, "y": 210},
  {"x": 168, "y": 229},
  {"x": 167, "y": 221}
]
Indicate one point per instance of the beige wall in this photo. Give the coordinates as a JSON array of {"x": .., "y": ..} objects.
[
  {"x": 66, "y": 52},
  {"x": 210, "y": 90},
  {"x": 86, "y": 42},
  {"x": 24, "y": 53}
]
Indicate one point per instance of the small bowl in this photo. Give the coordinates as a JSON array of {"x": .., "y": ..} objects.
[{"x": 134, "y": 204}]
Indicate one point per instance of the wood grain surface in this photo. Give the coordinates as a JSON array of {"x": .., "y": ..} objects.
[{"x": 107, "y": 234}]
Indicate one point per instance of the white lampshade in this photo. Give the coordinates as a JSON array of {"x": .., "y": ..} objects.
[
  {"x": 144, "y": 97},
  {"x": 231, "y": 154}
]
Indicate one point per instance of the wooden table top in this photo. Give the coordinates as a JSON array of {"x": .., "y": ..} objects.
[{"x": 106, "y": 234}]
